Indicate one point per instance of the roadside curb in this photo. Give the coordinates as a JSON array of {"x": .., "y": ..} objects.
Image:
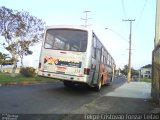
[{"x": 25, "y": 83}]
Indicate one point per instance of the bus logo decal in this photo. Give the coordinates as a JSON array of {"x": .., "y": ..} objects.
[
  {"x": 50, "y": 60},
  {"x": 62, "y": 62}
]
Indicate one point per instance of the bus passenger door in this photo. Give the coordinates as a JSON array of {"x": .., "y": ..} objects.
[{"x": 96, "y": 65}]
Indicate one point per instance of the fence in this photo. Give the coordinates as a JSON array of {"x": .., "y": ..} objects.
[{"x": 9, "y": 70}]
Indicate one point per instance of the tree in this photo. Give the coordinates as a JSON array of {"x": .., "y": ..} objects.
[
  {"x": 125, "y": 70},
  {"x": 4, "y": 61},
  {"x": 20, "y": 31},
  {"x": 24, "y": 50},
  {"x": 133, "y": 71}
]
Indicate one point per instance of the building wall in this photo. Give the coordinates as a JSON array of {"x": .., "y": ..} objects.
[
  {"x": 155, "y": 92},
  {"x": 157, "y": 27}
]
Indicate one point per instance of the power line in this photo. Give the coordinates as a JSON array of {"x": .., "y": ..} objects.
[
  {"x": 123, "y": 7},
  {"x": 142, "y": 11},
  {"x": 118, "y": 34},
  {"x": 124, "y": 11}
]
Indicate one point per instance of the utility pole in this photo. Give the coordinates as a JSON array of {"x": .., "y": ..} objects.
[
  {"x": 130, "y": 43},
  {"x": 86, "y": 18}
]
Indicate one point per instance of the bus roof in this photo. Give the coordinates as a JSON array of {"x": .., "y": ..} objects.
[{"x": 69, "y": 26}]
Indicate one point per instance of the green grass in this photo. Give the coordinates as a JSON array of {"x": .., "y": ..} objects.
[
  {"x": 6, "y": 77},
  {"x": 145, "y": 80}
]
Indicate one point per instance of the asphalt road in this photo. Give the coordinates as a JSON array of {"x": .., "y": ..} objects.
[{"x": 49, "y": 98}]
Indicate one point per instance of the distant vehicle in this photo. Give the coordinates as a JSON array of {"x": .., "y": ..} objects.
[
  {"x": 75, "y": 55},
  {"x": 134, "y": 77}
]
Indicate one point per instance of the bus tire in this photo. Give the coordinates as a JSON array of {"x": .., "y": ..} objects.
[
  {"x": 68, "y": 84},
  {"x": 99, "y": 86},
  {"x": 110, "y": 81}
]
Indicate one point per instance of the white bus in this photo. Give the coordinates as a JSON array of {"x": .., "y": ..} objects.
[{"x": 75, "y": 55}]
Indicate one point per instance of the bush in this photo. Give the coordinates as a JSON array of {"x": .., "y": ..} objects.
[
  {"x": 28, "y": 71},
  {"x": 145, "y": 80}
]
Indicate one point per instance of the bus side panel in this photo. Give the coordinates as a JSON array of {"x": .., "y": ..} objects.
[
  {"x": 104, "y": 73},
  {"x": 96, "y": 59},
  {"x": 89, "y": 59},
  {"x": 100, "y": 63}
]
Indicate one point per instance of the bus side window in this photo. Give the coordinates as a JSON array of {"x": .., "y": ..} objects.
[
  {"x": 102, "y": 58},
  {"x": 93, "y": 52},
  {"x": 94, "y": 45},
  {"x": 94, "y": 42}
]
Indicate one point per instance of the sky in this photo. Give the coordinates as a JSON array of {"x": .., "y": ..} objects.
[{"x": 104, "y": 14}]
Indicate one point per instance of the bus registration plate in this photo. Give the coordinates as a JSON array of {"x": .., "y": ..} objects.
[{"x": 61, "y": 69}]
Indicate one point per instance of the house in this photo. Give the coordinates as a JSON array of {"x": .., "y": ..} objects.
[
  {"x": 146, "y": 71},
  {"x": 118, "y": 72}
]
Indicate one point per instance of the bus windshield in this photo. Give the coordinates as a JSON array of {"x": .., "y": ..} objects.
[{"x": 66, "y": 39}]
